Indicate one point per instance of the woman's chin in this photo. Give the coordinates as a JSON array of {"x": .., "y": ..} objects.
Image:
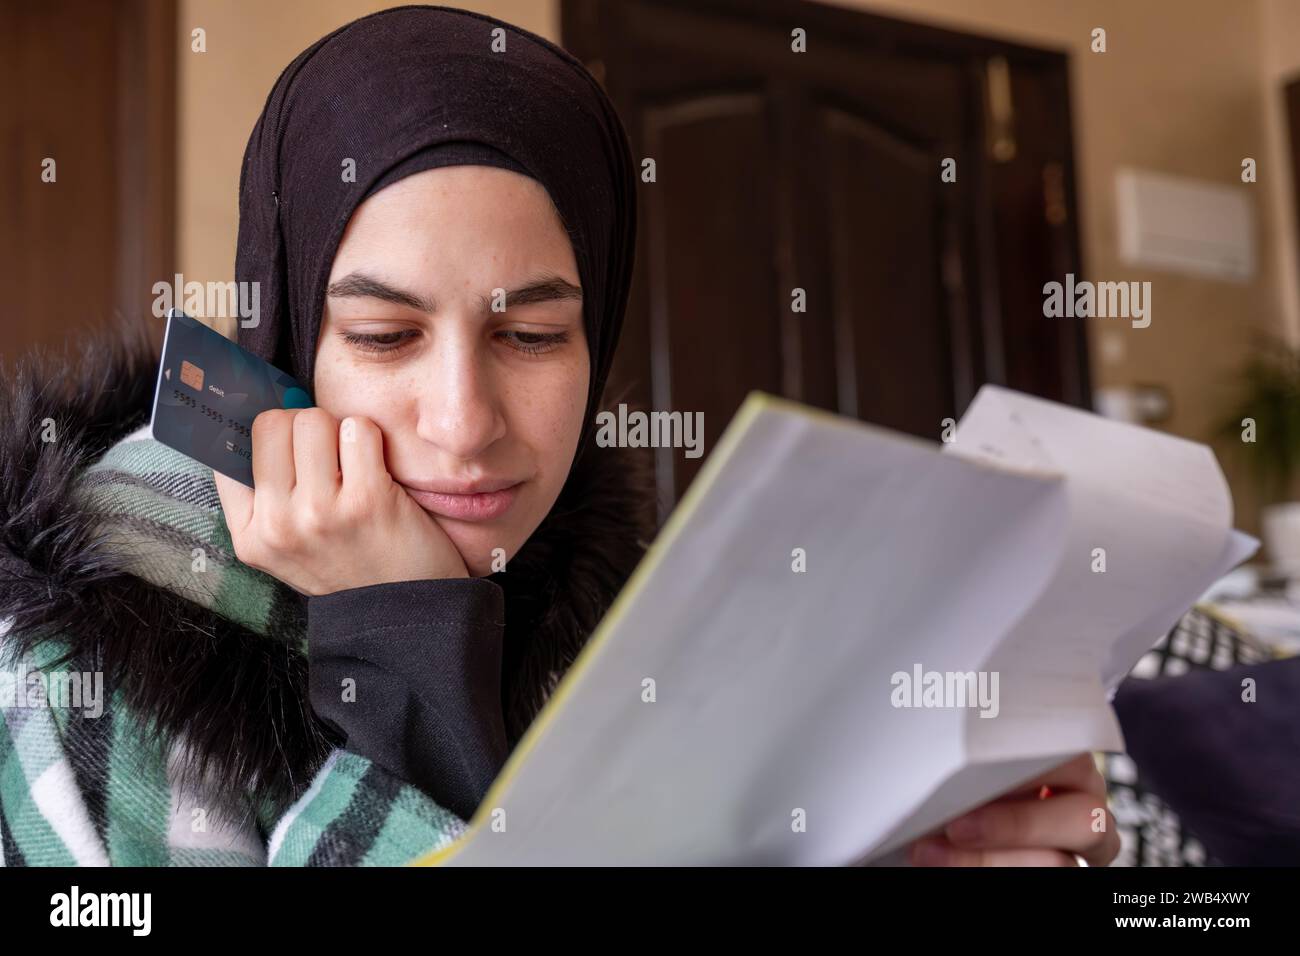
[
  {"x": 483, "y": 551},
  {"x": 486, "y": 546}
]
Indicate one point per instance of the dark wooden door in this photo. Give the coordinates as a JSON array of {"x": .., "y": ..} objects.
[
  {"x": 91, "y": 86},
  {"x": 778, "y": 171}
]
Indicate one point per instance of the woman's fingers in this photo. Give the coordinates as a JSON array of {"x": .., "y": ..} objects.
[
  {"x": 1075, "y": 821},
  {"x": 325, "y": 514},
  {"x": 361, "y": 453},
  {"x": 1077, "y": 773},
  {"x": 273, "y": 469},
  {"x": 315, "y": 458},
  {"x": 236, "y": 502},
  {"x": 943, "y": 853},
  {"x": 1021, "y": 829}
]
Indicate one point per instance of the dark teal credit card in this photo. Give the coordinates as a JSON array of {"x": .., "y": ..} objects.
[{"x": 209, "y": 392}]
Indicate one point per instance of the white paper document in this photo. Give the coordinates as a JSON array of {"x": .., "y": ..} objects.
[{"x": 845, "y": 637}]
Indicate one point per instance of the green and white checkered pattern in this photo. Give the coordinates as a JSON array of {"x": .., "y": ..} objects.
[{"x": 100, "y": 790}]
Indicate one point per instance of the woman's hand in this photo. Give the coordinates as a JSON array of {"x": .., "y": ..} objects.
[
  {"x": 325, "y": 515},
  {"x": 1023, "y": 829}
]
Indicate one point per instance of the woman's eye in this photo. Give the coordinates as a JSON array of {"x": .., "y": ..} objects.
[
  {"x": 534, "y": 343},
  {"x": 380, "y": 341}
]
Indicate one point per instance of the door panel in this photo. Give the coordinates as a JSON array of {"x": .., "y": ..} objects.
[
  {"x": 712, "y": 312},
  {"x": 892, "y": 360},
  {"x": 91, "y": 86}
]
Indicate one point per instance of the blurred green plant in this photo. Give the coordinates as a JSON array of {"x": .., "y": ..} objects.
[{"x": 1269, "y": 395}]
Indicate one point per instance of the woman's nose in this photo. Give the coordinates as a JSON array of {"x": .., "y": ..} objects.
[{"x": 460, "y": 409}]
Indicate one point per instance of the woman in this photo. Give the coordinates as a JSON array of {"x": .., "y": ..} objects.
[{"x": 331, "y": 669}]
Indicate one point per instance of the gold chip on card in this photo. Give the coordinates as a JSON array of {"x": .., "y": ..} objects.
[{"x": 192, "y": 376}]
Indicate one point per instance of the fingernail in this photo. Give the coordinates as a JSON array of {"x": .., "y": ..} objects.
[
  {"x": 929, "y": 853},
  {"x": 965, "y": 829}
]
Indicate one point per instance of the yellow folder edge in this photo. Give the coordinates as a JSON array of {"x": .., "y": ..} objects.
[{"x": 754, "y": 403}]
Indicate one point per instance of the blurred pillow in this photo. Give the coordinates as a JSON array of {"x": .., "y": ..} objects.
[{"x": 1228, "y": 766}]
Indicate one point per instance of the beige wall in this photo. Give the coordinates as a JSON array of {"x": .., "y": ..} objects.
[{"x": 1186, "y": 86}]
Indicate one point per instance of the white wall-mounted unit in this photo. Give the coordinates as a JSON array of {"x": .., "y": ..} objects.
[{"x": 1185, "y": 225}]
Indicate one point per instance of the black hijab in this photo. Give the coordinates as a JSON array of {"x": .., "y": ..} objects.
[
  {"x": 413, "y": 88},
  {"x": 410, "y": 89}
]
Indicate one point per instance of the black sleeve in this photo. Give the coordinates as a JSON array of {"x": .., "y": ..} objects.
[{"x": 426, "y": 660}]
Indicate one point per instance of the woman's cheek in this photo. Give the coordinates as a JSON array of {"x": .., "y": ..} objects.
[{"x": 367, "y": 392}]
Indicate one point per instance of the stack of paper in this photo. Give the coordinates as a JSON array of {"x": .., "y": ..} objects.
[{"x": 844, "y": 637}]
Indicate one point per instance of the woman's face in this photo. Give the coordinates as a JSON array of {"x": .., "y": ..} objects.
[{"x": 469, "y": 399}]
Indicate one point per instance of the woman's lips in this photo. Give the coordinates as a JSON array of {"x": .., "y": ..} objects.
[{"x": 483, "y": 506}]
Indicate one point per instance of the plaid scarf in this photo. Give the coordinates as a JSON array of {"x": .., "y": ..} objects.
[
  {"x": 160, "y": 515},
  {"x": 81, "y": 787}
]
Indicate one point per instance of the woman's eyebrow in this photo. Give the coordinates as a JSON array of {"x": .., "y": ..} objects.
[
  {"x": 547, "y": 288},
  {"x": 363, "y": 286}
]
